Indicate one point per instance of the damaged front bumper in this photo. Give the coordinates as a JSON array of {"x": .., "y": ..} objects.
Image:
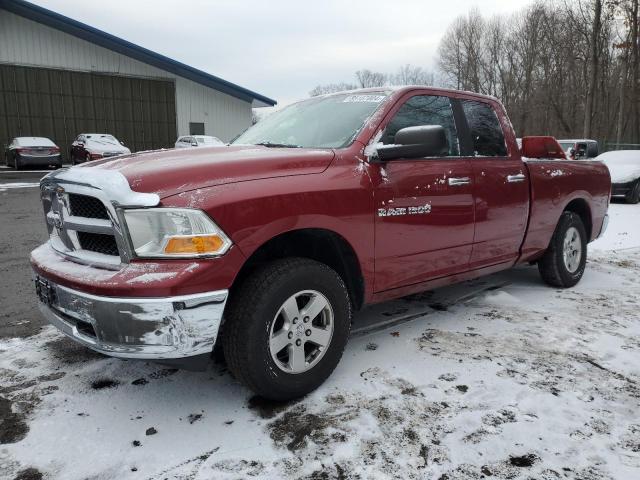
[{"x": 165, "y": 328}]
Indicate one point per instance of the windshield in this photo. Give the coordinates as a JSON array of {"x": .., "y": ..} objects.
[
  {"x": 322, "y": 122},
  {"x": 96, "y": 137}
]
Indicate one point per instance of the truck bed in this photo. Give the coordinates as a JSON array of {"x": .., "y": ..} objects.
[{"x": 549, "y": 182}]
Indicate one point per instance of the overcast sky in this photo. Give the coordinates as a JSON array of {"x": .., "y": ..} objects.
[{"x": 282, "y": 48}]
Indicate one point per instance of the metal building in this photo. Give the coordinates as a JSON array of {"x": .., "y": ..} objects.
[{"x": 60, "y": 77}]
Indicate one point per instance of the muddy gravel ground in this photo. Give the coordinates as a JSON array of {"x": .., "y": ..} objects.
[
  {"x": 501, "y": 378},
  {"x": 23, "y": 229}
]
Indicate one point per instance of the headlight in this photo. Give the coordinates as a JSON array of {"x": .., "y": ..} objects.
[{"x": 175, "y": 232}]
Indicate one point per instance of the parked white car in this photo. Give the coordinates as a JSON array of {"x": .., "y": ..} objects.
[
  {"x": 188, "y": 141},
  {"x": 624, "y": 168}
]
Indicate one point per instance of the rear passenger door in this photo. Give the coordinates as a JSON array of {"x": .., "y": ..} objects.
[
  {"x": 424, "y": 206},
  {"x": 501, "y": 185}
]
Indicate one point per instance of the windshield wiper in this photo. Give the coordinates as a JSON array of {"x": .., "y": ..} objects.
[{"x": 278, "y": 145}]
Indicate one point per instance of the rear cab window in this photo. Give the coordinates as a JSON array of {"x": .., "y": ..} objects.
[{"x": 486, "y": 133}]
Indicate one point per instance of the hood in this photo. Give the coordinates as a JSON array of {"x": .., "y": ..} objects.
[
  {"x": 102, "y": 145},
  {"x": 169, "y": 172}
]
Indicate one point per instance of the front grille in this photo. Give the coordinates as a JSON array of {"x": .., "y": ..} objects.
[
  {"x": 88, "y": 207},
  {"x": 98, "y": 242}
]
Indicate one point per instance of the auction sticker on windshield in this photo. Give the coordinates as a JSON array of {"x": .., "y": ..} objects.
[{"x": 364, "y": 99}]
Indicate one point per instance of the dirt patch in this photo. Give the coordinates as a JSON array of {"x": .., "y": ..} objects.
[
  {"x": 69, "y": 352},
  {"x": 194, "y": 417},
  {"x": 103, "y": 383},
  {"x": 13, "y": 427},
  {"x": 405, "y": 431},
  {"x": 524, "y": 460},
  {"x": 165, "y": 372},
  {"x": 29, "y": 474},
  {"x": 268, "y": 408},
  {"x": 298, "y": 426}
]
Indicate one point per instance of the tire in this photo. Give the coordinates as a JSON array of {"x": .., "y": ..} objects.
[
  {"x": 256, "y": 313},
  {"x": 16, "y": 164},
  {"x": 554, "y": 268},
  {"x": 634, "y": 195}
]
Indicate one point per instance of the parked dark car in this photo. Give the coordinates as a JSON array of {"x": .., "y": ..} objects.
[
  {"x": 624, "y": 168},
  {"x": 32, "y": 152},
  {"x": 93, "y": 146},
  {"x": 580, "y": 149}
]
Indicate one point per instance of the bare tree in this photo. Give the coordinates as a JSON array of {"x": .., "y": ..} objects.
[
  {"x": 596, "y": 27},
  {"x": 559, "y": 66},
  {"x": 412, "y": 75},
  {"x": 406, "y": 75},
  {"x": 367, "y": 78}
]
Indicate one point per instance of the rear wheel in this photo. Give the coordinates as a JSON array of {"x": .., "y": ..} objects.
[
  {"x": 286, "y": 328},
  {"x": 564, "y": 261},
  {"x": 634, "y": 195}
]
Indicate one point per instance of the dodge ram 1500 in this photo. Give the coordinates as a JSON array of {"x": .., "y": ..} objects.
[{"x": 268, "y": 245}]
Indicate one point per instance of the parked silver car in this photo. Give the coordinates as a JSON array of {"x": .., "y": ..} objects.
[
  {"x": 188, "y": 141},
  {"x": 32, "y": 152}
]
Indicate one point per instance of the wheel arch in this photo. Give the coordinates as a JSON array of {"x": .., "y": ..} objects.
[
  {"x": 320, "y": 244},
  {"x": 581, "y": 207}
]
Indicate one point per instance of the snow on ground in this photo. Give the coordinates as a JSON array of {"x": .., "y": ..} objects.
[
  {"x": 517, "y": 380},
  {"x": 624, "y": 228}
]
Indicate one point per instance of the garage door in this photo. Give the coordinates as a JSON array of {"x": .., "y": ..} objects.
[{"x": 60, "y": 105}]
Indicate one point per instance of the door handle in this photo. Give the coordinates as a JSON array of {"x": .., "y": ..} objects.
[
  {"x": 516, "y": 178},
  {"x": 455, "y": 182}
]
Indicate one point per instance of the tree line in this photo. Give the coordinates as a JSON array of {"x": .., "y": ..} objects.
[
  {"x": 568, "y": 68},
  {"x": 406, "y": 75}
]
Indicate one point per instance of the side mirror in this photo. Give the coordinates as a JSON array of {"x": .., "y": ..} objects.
[
  {"x": 194, "y": 144},
  {"x": 121, "y": 143},
  {"x": 416, "y": 142},
  {"x": 542, "y": 147}
]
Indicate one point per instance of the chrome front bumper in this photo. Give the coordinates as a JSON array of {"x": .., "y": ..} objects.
[{"x": 144, "y": 328}]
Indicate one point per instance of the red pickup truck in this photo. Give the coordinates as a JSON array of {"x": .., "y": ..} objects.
[{"x": 271, "y": 243}]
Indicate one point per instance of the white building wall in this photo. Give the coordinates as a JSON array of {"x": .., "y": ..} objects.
[{"x": 25, "y": 42}]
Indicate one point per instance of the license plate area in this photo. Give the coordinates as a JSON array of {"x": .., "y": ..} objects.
[{"x": 45, "y": 291}]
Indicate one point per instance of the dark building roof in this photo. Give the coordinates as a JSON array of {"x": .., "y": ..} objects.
[{"x": 116, "y": 44}]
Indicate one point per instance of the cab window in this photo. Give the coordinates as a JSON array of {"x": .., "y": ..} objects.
[
  {"x": 425, "y": 110},
  {"x": 484, "y": 127}
]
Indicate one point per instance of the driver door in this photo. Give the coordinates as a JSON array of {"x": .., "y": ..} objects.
[{"x": 424, "y": 222}]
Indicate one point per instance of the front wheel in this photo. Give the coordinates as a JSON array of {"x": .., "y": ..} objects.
[
  {"x": 634, "y": 195},
  {"x": 286, "y": 328},
  {"x": 564, "y": 261}
]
